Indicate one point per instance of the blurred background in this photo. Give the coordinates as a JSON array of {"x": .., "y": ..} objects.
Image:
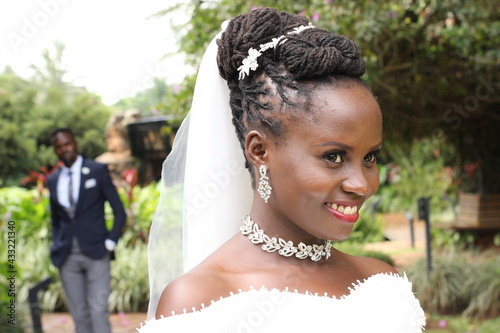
[{"x": 121, "y": 75}]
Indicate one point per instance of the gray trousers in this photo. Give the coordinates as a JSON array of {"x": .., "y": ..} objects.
[{"x": 87, "y": 285}]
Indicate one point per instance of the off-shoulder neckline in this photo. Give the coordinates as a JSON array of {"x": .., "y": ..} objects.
[{"x": 356, "y": 285}]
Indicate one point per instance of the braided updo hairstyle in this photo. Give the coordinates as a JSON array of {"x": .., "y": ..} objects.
[{"x": 311, "y": 56}]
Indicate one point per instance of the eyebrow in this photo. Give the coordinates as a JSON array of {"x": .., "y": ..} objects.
[{"x": 344, "y": 146}]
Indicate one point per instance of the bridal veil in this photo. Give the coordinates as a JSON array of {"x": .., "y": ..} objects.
[{"x": 205, "y": 188}]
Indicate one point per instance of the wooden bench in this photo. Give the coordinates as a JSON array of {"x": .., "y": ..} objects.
[{"x": 478, "y": 214}]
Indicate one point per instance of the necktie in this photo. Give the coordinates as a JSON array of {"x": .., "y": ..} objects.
[{"x": 70, "y": 189}]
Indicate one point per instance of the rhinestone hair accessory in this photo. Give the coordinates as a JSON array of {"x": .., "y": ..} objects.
[
  {"x": 272, "y": 244},
  {"x": 250, "y": 62}
]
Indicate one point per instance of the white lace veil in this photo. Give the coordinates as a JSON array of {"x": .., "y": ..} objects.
[{"x": 205, "y": 188}]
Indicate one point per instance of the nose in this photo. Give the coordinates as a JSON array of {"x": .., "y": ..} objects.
[{"x": 356, "y": 182}]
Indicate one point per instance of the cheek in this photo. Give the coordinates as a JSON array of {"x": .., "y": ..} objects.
[
  {"x": 374, "y": 180},
  {"x": 292, "y": 179},
  {"x": 303, "y": 185}
]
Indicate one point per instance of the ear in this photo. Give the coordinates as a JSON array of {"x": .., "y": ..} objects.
[{"x": 255, "y": 148}]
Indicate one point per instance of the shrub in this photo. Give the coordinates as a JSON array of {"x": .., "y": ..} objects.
[
  {"x": 29, "y": 210},
  {"x": 129, "y": 278},
  {"x": 461, "y": 282},
  {"x": 418, "y": 170}
]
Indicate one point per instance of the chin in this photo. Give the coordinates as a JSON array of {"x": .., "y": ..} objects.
[{"x": 340, "y": 238}]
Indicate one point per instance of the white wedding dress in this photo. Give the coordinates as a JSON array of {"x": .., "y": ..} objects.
[{"x": 383, "y": 303}]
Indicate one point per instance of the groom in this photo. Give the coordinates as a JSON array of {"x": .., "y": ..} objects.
[{"x": 81, "y": 243}]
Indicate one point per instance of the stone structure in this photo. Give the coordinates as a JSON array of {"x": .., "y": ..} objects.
[{"x": 119, "y": 156}]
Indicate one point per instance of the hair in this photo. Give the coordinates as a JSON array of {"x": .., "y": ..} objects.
[
  {"x": 292, "y": 70},
  {"x": 60, "y": 130}
]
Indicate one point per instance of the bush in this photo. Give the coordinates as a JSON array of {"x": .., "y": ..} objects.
[
  {"x": 30, "y": 212},
  {"x": 129, "y": 278},
  {"x": 461, "y": 282},
  {"x": 419, "y": 170}
]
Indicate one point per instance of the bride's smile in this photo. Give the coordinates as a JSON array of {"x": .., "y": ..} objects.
[{"x": 323, "y": 168}]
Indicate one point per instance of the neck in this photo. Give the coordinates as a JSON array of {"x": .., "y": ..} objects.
[
  {"x": 276, "y": 225},
  {"x": 69, "y": 163},
  {"x": 284, "y": 247}
]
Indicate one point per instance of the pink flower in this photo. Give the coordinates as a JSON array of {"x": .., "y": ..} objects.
[
  {"x": 442, "y": 323},
  {"x": 315, "y": 17},
  {"x": 124, "y": 319}
]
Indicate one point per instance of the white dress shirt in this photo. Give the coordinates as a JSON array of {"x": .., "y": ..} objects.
[{"x": 63, "y": 182}]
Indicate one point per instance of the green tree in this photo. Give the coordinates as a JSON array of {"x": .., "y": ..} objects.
[
  {"x": 161, "y": 98},
  {"x": 16, "y": 101},
  {"x": 432, "y": 64},
  {"x": 31, "y": 108}
]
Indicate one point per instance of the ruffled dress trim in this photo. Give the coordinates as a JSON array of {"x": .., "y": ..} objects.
[{"x": 383, "y": 302}]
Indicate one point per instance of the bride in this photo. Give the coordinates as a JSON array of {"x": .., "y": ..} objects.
[{"x": 260, "y": 208}]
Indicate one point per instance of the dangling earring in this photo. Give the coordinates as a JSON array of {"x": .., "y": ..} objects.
[{"x": 264, "y": 188}]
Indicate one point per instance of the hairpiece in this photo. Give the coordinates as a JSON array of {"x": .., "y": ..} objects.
[{"x": 250, "y": 62}]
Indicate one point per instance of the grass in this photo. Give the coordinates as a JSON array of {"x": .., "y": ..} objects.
[
  {"x": 462, "y": 293},
  {"x": 463, "y": 281},
  {"x": 461, "y": 324}
]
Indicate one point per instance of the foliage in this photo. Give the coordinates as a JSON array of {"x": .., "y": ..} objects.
[
  {"x": 368, "y": 229},
  {"x": 140, "y": 204},
  {"x": 443, "y": 238},
  {"x": 461, "y": 282},
  {"x": 5, "y": 326},
  {"x": 31, "y": 108},
  {"x": 420, "y": 170},
  {"x": 30, "y": 211},
  {"x": 461, "y": 324},
  {"x": 432, "y": 64},
  {"x": 129, "y": 280},
  {"x": 174, "y": 99},
  {"x": 356, "y": 249}
]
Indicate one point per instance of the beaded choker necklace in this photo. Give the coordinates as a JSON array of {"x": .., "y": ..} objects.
[{"x": 272, "y": 244}]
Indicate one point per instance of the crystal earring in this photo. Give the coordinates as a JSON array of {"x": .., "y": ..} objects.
[{"x": 264, "y": 188}]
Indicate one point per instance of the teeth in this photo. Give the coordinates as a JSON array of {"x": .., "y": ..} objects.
[{"x": 347, "y": 210}]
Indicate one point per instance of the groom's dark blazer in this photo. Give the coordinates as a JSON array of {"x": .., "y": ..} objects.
[{"x": 88, "y": 223}]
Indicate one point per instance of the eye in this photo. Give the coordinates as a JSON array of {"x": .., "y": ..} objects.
[
  {"x": 335, "y": 157},
  {"x": 372, "y": 157}
]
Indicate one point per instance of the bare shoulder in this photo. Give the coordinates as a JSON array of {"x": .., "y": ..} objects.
[
  {"x": 378, "y": 266},
  {"x": 370, "y": 266},
  {"x": 191, "y": 291}
]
